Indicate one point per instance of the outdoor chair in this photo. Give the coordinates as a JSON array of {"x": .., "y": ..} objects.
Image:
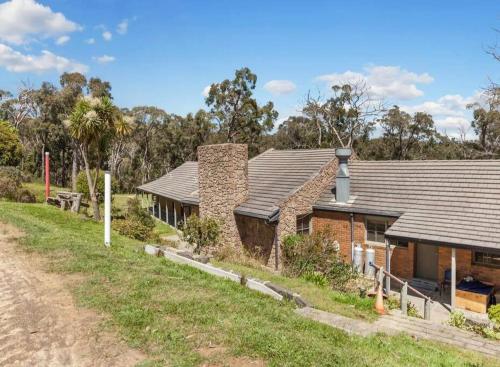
[{"x": 445, "y": 282}]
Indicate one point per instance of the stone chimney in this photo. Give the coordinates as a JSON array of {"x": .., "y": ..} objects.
[
  {"x": 223, "y": 185},
  {"x": 342, "y": 180}
]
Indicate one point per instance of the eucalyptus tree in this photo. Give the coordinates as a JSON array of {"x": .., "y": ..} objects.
[
  {"x": 404, "y": 133},
  {"x": 486, "y": 123},
  {"x": 239, "y": 117}
]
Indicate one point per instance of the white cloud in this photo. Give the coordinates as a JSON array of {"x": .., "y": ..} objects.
[
  {"x": 62, "y": 40},
  {"x": 104, "y": 59},
  {"x": 107, "y": 35},
  {"x": 90, "y": 41},
  {"x": 383, "y": 81},
  {"x": 449, "y": 112},
  {"x": 122, "y": 27},
  {"x": 205, "y": 91},
  {"x": 279, "y": 87},
  {"x": 24, "y": 20},
  {"x": 17, "y": 62}
]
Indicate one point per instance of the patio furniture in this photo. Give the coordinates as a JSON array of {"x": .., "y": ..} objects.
[
  {"x": 474, "y": 295},
  {"x": 446, "y": 281}
]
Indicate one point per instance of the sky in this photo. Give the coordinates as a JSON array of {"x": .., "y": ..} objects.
[{"x": 421, "y": 55}]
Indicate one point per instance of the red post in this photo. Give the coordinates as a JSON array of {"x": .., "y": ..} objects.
[{"x": 47, "y": 176}]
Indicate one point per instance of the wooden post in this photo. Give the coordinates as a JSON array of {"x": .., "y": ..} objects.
[
  {"x": 184, "y": 212},
  {"x": 166, "y": 210},
  {"x": 175, "y": 216},
  {"x": 404, "y": 299},
  {"x": 453, "y": 277},
  {"x": 47, "y": 176},
  {"x": 387, "y": 265}
]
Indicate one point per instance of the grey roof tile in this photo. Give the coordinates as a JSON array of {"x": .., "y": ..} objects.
[{"x": 454, "y": 202}]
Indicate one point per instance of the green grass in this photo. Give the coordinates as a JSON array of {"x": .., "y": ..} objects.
[
  {"x": 169, "y": 311},
  {"x": 38, "y": 188},
  {"x": 323, "y": 298}
]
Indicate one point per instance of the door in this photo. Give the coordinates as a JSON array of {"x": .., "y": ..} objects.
[{"x": 426, "y": 262}]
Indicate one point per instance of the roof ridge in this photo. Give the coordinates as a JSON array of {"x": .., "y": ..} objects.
[{"x": 429, "y": 161}]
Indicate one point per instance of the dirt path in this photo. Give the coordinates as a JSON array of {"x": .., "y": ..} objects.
[{"x": 39, "y": 322}]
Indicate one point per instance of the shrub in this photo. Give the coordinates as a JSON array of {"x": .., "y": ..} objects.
[
  {"x": 201, "y": 233},
  {"x": 133, "y": 228},
  {"x": 309, "y": 255},
  {"x": 137, "y": 224},
  {"x": 457, "y": 319},
  {"x": 494, "y": 314},
  {"x": 10, "y": 182},
  {"x": 25, "y": 196},
  {"x": 83, "y": 187},
  {"x": 10, "y": 146}
]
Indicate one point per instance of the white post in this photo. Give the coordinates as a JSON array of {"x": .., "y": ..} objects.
[
  {"x": 159, "y": 209},
  {"x": 453, "y": 277},
  {"x": 175, "y": 216},
  {"x": 388, "y": 265},
  {"x": 166, "y": 210},
  {"x": 107, "y": 209}
]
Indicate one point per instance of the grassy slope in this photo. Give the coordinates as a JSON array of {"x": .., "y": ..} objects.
[
  {"x": 323, "y": 298},
  {"x": 170, "y": 311}
]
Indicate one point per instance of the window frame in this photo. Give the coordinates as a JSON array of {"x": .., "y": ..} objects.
[
  {"x": 479, "y": 263},
  {"x": 303, "y": 229},
  {"x": 377, "y": 220}
]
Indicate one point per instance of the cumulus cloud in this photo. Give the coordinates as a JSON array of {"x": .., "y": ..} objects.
[
  {"x": 62, "y": 40},
  {"x": 122, "y": 27},
  {"x": 107, "y": 35},
  {"x": 90, "y": 41},
  {"x": 17, "y": 62},
  {"x": 205, "y": 91},
  {"x": 383, "y": 81},
  {"x": 104, "y": 59},
  {"x": 279, "y": 87},
  {"x": 22, "y": 21},
  {"x": 450, "y": 111}
]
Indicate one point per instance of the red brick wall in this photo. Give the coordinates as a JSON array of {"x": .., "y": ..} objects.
[
  {"x": 340, "y": 225},
  {"x": 465, "y": 266}
]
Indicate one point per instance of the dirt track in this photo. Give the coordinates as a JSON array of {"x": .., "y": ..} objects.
[{"x": 39, "y": 322}]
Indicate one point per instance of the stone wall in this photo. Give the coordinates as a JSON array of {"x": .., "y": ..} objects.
[
  {"x": 301, "y": 201},
  {"x": 256, "y": 236},
  {"x": 223, "y": 185}
]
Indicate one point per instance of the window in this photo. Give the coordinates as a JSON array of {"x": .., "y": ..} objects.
[
  {"x": 375, "y": 229},
  {"x": 304, "y": 224},
  {"x": 486, "y": 258}
]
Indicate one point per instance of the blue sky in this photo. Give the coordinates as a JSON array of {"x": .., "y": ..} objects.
[{"x": 423, "y": 55}]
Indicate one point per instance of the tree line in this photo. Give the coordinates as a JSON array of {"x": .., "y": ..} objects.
[{"x": 79, "y": 124}]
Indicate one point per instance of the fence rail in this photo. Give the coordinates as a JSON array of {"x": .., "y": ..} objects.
[{"x": 404, "y": 291}]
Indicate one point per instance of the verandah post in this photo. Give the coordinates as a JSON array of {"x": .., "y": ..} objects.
[{"x": 387, "y": 265}]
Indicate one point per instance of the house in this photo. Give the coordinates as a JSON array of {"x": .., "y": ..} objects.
[
  {"x": 424, "y": 219},
  {"x": 259, "y": 201}
]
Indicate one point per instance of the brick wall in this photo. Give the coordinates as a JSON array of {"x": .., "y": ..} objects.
[
  {"x": 465, "y": 266},
  {"x": 340, "y": 224},
  {"x": 223, "y": 185},
  {"x": 300, "y": 202}
]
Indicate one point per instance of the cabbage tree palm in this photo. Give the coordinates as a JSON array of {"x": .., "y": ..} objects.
[{"x": 93, "y": 124}]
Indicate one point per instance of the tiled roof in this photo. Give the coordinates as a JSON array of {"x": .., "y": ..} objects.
[
  {"x": 452, "y": 202},
  {"x": 272, "y": 177},
  {"x": 180, "y": 184},
  {"x": 275, "y": 174}
]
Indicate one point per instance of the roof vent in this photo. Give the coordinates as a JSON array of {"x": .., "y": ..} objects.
[{"x": 342, "y": 180}]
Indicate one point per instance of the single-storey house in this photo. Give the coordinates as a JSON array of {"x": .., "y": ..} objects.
[{"x": 425, "y": 220}]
